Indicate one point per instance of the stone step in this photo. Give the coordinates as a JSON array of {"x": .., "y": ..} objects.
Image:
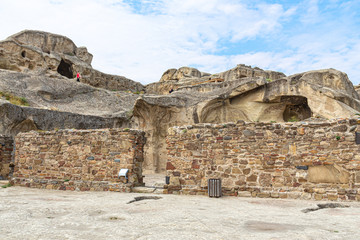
[
  {"x": 159, "y": 185},
  {"x": 4, "y": 182},
  {"x": 148, "y": 190}
]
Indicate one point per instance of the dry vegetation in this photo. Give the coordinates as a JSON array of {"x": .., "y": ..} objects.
[{"x": 20, "y": 101}]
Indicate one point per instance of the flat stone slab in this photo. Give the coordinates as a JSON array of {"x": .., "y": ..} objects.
[
  {"x": 143, "y": 190},
  {"x": 159, "y": 191},
  {"x": 159, "y": 185},
  {"x": 3, "y": 182}
]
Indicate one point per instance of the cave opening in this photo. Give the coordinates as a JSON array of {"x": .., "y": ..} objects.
[
  {"x": 65, "y": 69},
  {"x": 297, "y": 108},
  {"x": 23, "y": 54}
]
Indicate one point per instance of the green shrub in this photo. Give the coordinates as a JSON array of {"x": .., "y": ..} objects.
[
  {"x": 6, "y": 185},
  {"x": 294, "y": 119}
]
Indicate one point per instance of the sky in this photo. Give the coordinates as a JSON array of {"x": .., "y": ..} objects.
[{"x": 142, "y": 39}]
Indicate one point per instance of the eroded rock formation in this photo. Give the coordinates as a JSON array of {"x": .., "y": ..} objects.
[
  {"x": 41, "y": 67},
  {"x": 56, "y": 55}
]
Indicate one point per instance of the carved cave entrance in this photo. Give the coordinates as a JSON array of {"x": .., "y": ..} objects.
[
  {"x": 65, "y": 69},
  {"x": 296, "y": 109}
]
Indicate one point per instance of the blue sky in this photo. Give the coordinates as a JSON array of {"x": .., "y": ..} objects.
[{"x": 142, "y": 39}]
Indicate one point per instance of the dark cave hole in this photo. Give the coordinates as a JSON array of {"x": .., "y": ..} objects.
[
  {"x": 65, "y": 69},
  {"x": 297, "y": 108},
  {"x": 23, "y": 54}
]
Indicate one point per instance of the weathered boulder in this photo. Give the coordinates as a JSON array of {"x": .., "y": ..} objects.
[
  {"x": 57, "y": 102},
  {"x": 15, "y": 119},
  {"x": 243, "y": 71},
  {"x": 62, "y": 94},
  {"x": 181, "y": 73},
  {"x": 47, "y": 53},
  {"x": 187, "y": 77},
  {"x": 44, "y": 42},
  {"x": 168, "y": 75},
  {"x": 357, "y": 89},
  {"x": 83, "y": 54}
]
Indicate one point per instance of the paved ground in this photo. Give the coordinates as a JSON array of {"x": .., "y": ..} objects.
[{"x": 48, "y": 214}]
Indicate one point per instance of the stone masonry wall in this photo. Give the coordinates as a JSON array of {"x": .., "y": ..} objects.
[
  {"x": 306, "y": 160},
  {"x": 79, "y": 159},
  {"x": 6, "y": 148}
]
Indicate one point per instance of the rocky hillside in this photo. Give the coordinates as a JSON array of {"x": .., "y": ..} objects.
[{"x": 39, "y": 68}]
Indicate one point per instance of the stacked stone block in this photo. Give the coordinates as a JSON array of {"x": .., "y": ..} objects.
[
  {"x": 6, "y": 149},
  {"x": 306, "y": 160},
  {"x": 79, "y": 159}
]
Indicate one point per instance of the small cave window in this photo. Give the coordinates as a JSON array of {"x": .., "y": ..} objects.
[
  {"x": 65, "y": 69},
  {"x": 297, "y": 108},
  {"x": 23, "y": 54}
]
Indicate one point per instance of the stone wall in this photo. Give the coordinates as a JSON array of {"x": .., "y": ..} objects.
[
  {"x": 6, "y": 148},
  {"x": 306, "y": 160},
  {"x": 79, "y": 159}
]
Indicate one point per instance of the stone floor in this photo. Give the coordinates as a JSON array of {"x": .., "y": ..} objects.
[{"x": 27, "y": 213}]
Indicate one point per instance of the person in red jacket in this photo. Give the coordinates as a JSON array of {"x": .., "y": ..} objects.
[{"x": 78, "y": 76}]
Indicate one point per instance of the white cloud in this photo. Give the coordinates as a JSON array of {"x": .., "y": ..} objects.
[{"x": 142, "y": 39}]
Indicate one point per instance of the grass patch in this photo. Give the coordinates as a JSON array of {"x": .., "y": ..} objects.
[
  {"x": 6, "y": 185},
  {"x": 294, "y": 119},
  {"x": 20, "y": 101}
]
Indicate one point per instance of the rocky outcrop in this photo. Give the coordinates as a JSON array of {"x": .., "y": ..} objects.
[
  {"x": 15, "y": 119},
  {"x": 40, "y": 67},
  {"x": 243, "y": 71},
  {"x": 323, "y": 94},
  {"x": 61, "y": 94},
  {"x": 181, "y": 73},
  {"x": 47, "y": 53},
  {"x": 187, "y": 77}
]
